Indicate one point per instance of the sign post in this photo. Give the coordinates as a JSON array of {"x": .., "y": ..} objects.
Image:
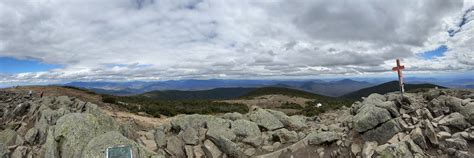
[{"x": 399, "y": 69}]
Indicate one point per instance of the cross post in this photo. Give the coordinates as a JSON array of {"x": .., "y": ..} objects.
[{"x": 399, "y": 69}]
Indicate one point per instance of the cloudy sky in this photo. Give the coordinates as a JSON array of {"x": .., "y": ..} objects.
[{"x": 48, "y": 41}]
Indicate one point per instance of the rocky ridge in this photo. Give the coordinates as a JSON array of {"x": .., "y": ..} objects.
[{"x": 433, "y": 123}]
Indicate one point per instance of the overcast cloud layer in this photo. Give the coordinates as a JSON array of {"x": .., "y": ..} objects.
[{"x": 175, "y": 39}]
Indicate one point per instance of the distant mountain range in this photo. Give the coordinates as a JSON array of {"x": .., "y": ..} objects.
[
  {"x": 387, "y": 87},
  {"x": 327, "y": 88}
]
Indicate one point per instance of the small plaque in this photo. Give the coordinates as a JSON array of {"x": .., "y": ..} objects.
[{"x": 121, "y": 151}]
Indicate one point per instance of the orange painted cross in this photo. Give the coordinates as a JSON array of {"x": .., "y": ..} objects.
[{"x": 399, "y": 69}]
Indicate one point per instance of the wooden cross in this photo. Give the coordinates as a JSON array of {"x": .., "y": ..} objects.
[{"x": 399, "y": 69}]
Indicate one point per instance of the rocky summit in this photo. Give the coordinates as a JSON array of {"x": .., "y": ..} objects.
[{"x": 434, "y": 123}]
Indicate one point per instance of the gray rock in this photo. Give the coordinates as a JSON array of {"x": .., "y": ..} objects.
[
  {"x": 211, "y": 150},
  {"x": 198, "y": 152},
  {"x": 457, "y": 143},
  {"x": 96, "y": 147},
  {"x": 20, "y": 152},
  {"x": 355, "y": 149},
  {"x": 190, "y": 136},
  {"x": 227, "y": 146},
  {"x": 285, "y": 136},
  {"x": 245, "y": 128},
  {"x": 437, "y": 106},
  {"x": 390, "y": 107},
  {"x": 160, "y": 138},
  {"x": 51, "y": 146},
  {"x": 382, "y": 133},
  {"x": 369, "y": 116},
  {"x": 368, "y": 149},
  {"x": 455, "y": 120},
  {"x": 233, "y": 116},
  {"x": 30, "y": 136},
  {"x": 463, "y": 154},
  {"x": 292, "y": 123},
  {"x": 400, "y": 149},
  {"x": 316, "y": 138},
  {"x": 249, "y": 151},
  {"x": 189, "y": 151},
  {"x": 443, "y": 135},
  {"x": 175, "y": 146},
  {"x": 417, "y": 136},
  {"x": 454, "y": 104},
  {"x": 430, "y": 132},
  {"x": 8, "y": 137},
  {"x": 265, "y": 119},
  {"x": 255, "y": 141},
  {"x": 468, "y": 112},
  {"x": 374, "y": 97},
  {"x": 20, "y": 109},
  {"x": 194, "y": 121},
  {"x": 75, "y": 130}
]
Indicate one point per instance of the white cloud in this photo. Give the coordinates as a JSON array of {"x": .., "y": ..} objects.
[{"x": 230, "y": 38}]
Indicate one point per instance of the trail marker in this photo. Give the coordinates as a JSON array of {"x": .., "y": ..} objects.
[{"x": 399, "y": 69}]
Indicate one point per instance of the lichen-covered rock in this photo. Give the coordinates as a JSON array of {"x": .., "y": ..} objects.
[
  {"x": 369, "y": 116},
  {"x": 227, "y": 146},
  {"x": 400, "y": 149},
  {"x": 30, "y": 136},
  {"x": 455, "y": 120},
  {"x": 316, "y": 138},
  {"x": 368, "y": 149},
  {"x": 8, "y": 137},
  {"x": 20, "y": 152},
  {"x": 233, "y": 116},
  {"x": 245, "y": 128},
  {"x": 285, "y": 136},
  {"x": 265, "y": 119},
  {"x": 211, "y": 150},
  {"x": 190, "y": 136},
  {"x": 382, "y": 133},
  {"x": 457, "y": 143},
  {"x": 417, "y": 136},
  {"x": 96, "y": 146},
  {"x": 290, "y": 122},
  {"x": 176, "y": 146},
  {"x": 75, "y": 130}
]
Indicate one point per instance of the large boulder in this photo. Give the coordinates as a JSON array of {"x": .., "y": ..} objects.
[
  {"x": 9, "y": 137},
  {"x": 468, "y": 112},
  {"x": 457, "y": 143},
  {"x": 233, "y": 116},
  {"x": 75, "y": 130},
  {"x": 382, "y": 133},
  {"x": 290, "y": 122},
  {"x": 455, "y": 120},
  {"x": 245, "y": 128},
  {"x": 31, "y": 135},
  {"x": 96, "y": 147},
  {"x": 369, "y": 116},
  {"x": 265, "y": 119},
  {"x": 285, "y": 136},
  {"x": 190, "y": 136},
  {"x": 400, "y": 149},
  {"x": 316, "y": 138},
  {"x": 227, "y": 146},
  {"x": 211, "y": 150},
  {"x": 175, "y": 146},
  {"x": 437, "y": 106}
]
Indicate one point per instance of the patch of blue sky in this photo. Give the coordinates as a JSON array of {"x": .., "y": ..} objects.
[
  {"x": 438, "y": 52},
  {"x": 9, "y": 65}
]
